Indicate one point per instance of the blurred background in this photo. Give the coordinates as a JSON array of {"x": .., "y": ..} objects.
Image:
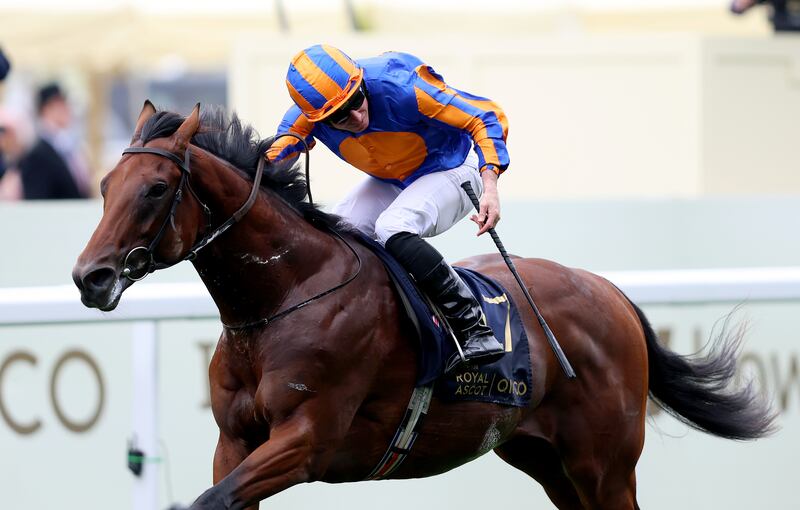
[{"x": 651, "y": 136}]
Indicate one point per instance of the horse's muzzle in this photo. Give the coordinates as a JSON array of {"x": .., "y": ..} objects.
[{"x": 99, "y": 286}]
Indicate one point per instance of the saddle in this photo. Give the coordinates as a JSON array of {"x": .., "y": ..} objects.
[{"x": 506, "y": 381}]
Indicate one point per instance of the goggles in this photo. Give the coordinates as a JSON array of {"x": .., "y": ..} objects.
[{"x": 343, "y": 112}]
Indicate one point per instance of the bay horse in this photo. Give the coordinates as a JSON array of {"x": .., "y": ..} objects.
[{"x": 316, "y": 360}]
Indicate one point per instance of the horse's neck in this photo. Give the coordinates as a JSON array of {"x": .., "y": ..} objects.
[{"x": 269, "y": 259}]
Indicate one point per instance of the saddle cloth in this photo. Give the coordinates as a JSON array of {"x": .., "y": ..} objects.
[{"x": 506, "y": 381}]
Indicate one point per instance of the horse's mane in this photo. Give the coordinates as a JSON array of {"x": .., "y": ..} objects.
[{"x": 225, "y": 136}]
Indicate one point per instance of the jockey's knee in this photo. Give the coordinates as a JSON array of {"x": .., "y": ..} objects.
[
  {"x": 393, "y": 222},
  {"x": 366, "y": 227},
  {"x": 413, "y": 253}
]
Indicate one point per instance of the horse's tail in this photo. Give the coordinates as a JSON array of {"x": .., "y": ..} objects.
[{"x": 697, "y": 390}]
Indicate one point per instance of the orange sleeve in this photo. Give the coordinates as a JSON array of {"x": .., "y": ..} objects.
[
  {"x": 482, "y": 118},
  {"x": 289, "y": 147}
]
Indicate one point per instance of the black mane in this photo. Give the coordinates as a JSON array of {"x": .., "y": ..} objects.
[{"x": 227, "y": 138}]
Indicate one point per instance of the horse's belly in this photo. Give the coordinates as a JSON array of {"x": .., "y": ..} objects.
[
  {"x": 456, "y": 433},
  {"x": 451, "y": 435}
]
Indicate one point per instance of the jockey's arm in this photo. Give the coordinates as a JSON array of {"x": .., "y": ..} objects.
[
  {"x": 288, "y": 148},
  {"x": 489, "y": 214},
  {"x": 483, "y": 120}
]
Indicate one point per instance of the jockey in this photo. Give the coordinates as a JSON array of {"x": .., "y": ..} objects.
[{"x": 395, "y": 119}]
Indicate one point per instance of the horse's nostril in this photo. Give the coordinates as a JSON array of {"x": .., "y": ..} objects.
[
  {"x": 76, "y": 277},
  {"x": 98, "y": 280}
]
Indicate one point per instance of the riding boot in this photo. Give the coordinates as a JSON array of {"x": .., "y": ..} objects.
[
  {"x": 443, "y": 285},
  {"x": 464, "y": 315}
]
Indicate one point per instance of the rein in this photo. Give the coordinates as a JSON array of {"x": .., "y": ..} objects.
[
  {"x": 150, "y": 265},
  {"x": 272, "y": 318}
]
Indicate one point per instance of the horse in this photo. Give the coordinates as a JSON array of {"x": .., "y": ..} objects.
[{"x": 315, "y": 363}]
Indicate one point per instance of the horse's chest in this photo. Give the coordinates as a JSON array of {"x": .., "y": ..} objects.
[
  {"x": 237, "y": 412},
  {"x": 244, "y": 419}
]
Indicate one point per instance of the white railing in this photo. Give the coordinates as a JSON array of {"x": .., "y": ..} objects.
[
  {"x": 145, "y": 305},
  {"x": 154, "y": 302}
]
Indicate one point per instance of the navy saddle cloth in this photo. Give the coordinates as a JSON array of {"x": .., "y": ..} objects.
[{"x": 506, "y": 381}]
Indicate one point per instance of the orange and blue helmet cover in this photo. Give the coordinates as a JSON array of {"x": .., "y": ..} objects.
[{"x": 320, "y": 79}]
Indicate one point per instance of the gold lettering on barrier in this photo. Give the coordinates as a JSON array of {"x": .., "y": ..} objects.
[
  {"x": 785, "y": 385},
  {"x": 699, "y": 339},
  {"x": 752, "y": 367},
  {"x": 664, "y": 337},
  {"x": 20, "y": 428},
  {"x": 775, "y": 374},
  {"x": 71, "y": 425}
]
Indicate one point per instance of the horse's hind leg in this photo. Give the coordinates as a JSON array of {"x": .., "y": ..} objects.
[
  {"x": 600, "y": 460},
  {"x": 582, "y": 483},
  {"x": 539, "y": 459}
]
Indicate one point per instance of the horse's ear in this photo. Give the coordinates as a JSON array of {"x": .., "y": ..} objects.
[
  {"x": 189, "y": 127},
  {"x": 147, "y": 111}
]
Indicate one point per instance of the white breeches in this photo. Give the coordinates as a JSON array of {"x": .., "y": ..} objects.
[{"x": 429, "y": 206}]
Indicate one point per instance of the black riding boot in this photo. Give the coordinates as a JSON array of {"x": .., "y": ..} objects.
[
  {"x": 463, "y": 313},
  {"x": 443, "y": 285}
]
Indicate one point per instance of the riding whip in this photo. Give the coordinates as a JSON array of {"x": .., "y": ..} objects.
[{"x": 551, "y": 338}]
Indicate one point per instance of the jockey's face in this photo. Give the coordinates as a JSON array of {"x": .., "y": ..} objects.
[{"x": 357, "y": 121}]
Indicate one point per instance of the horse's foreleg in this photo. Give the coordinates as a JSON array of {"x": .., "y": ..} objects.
[
  {"x": 229, "y": 454},
  {"x": 289, "y": 457}
]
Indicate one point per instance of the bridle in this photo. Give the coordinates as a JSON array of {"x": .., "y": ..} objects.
[
  {"x": 139, "y": 271},
  {"x": 148, "y": 264}
]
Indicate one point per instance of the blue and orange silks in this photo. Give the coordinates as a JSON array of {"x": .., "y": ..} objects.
[{"x": 417, "y": 123}]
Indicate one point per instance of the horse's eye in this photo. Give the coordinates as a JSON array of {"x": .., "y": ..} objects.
[{"x": 158, "y": 190}]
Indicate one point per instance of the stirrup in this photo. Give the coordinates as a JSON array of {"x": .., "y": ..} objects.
[
  {"x": 455, "y": 361},
  {"x": 458, "y": 357}
]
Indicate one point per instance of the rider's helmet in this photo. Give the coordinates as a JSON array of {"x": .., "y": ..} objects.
[{"x": 322, "y": 78}]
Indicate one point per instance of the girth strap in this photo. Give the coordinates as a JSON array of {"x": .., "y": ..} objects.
[{"x": 406, "y": 433}]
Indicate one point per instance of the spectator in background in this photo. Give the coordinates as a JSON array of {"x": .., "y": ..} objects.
[
  {"x": 785, "y": 14},
  {"x": 57, "y": 129},
  {"x": 5, "y": 67},
  {"x": 13, "y": 135},
  {"x": 35, "y": 169}
]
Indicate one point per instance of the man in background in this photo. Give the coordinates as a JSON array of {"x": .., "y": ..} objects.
[
  {"x": 35, "y": 170},
  {"x": 14, "y": 137},
  {"x": 5, "y": 67},
  {"x": 56, "y": 127}
]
